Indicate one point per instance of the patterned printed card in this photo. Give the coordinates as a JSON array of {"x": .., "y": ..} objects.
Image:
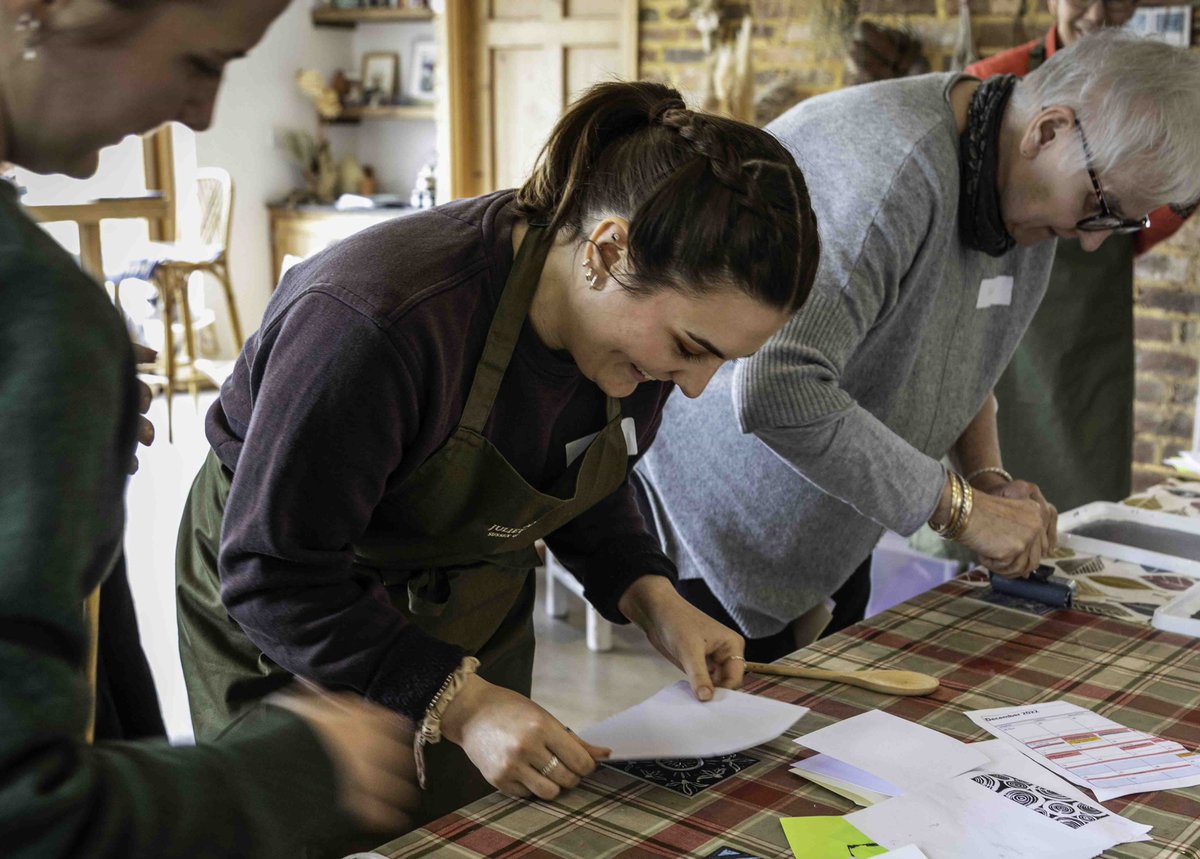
[
  {"x": 729, "y": 853},
  {"x": 1059, "y": 808},
  {"x": 686, "y": 776},
  {"x": 1120, "y": 590}
]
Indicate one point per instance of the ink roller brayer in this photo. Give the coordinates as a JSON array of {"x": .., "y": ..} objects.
[{"x": 1039, "y": 587}]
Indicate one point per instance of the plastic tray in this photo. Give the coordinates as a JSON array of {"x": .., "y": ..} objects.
[
  {"x": 1133, "y": 525},
  {"x": 1180, "y": 614}
]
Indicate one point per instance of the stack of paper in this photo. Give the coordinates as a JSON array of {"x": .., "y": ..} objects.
[
  {"x": 1090, "y": 750},
  {"x": 858, "y": 786},
  {"x": 1186, "y": 463},
  {"x": 951, "y": 799},
  {"x": 903, "y": 754}
]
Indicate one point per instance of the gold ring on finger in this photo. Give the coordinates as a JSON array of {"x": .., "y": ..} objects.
[{"x": 550, "y": 767}]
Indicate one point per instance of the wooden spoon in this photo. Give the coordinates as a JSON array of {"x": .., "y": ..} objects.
[{"x": 877, "y": 680}]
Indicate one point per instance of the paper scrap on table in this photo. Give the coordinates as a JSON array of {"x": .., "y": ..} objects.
[
  {"x": 673, "y": 724},
  {"x": 909, "y": 851},
  {"x": 1108, "y": 758},
  {"x": 827, "y": 838},
  {"x": 896, "y": 750},
  {"x": 976, "y": 816}
]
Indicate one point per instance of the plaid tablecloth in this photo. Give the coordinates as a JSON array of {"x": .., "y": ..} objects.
[{"x": 985, "y": 656}]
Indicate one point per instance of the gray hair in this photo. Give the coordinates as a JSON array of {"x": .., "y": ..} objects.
[{"x": 1139, "y": 102}]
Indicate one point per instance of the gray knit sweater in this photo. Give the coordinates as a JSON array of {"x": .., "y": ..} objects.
[{"x": 777, "y": 483}]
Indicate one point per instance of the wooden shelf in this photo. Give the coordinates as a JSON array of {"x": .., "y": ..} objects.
[
  {"x": 353, "y": 17},
  {"x": 353, "y": 115}
]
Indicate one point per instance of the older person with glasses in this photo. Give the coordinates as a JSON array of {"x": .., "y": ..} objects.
[
  {"x": 939, "y": 199},
  {"x": 1066, "y": 399}
]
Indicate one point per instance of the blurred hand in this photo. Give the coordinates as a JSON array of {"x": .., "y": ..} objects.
[
  {"x": 145, "y": 429},
  {"x": 705, "y": 650},
  {"x": 372, "y": 755},
  {"x": 519, "y": 747}
]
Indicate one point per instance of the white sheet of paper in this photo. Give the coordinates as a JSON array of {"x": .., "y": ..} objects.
[
  {"x": 896, "y": 750},
  {"x": 909, "y": 851},
  {"x": 673, "y": 724},
  {"x": 1084, "y": 747},
  {"x": 830, "y": 766},
  {"x": 1008, "y": 760},
  {"x": 959, "y": 819},
  {"x": 995, "y": 292}
]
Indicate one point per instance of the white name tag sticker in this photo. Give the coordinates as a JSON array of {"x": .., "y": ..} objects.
[
  {"x": 576, "y": 448},
  {"x": 995, "y": 292},
  {"x": 630, "y": 432}
]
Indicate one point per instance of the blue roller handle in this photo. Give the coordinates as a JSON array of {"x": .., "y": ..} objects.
[{"x": 1039, "y": 587}]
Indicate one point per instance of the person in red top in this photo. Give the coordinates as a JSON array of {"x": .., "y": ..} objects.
[{"x": 1066, "y": 399}]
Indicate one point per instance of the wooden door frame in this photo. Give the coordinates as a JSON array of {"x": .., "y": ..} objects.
[
  {"x": 158, "y": 164},
  {"x": 466, "y": 114}
]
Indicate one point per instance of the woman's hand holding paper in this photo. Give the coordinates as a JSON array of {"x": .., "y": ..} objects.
[
  {"x": 519, "y": 747},
  {"x": 706, "y": 651}
]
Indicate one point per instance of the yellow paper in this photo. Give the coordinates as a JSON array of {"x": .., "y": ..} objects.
[{"x": 827, "y": 838}]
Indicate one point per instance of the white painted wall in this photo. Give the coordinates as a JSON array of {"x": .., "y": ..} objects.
[
  {"x": 259, "y": 98},
  {"x": 396, "y": 149}
]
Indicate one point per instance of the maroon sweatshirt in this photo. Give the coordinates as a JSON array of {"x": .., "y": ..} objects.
[{"x": 360, "y": 373}]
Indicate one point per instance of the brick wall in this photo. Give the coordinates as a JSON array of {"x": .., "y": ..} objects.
[{"x": 797, "y": 54}]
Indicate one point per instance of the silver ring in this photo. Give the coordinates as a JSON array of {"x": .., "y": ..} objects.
[
  {"x": 742, "y": 658},
  {"x": 550, "y": 767}
]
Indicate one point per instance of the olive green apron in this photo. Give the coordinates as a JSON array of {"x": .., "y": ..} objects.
[
  {"x": 1066, "y": 399},
  {"x": 456, "y": 562}
]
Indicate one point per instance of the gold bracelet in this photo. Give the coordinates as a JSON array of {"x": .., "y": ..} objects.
[
  {"x": 968, "y": 505},
  {"x": 956, "y": 513},
  {"x": 941, "y": 529},
  {"x": 991, "y": 469},
  {"x": 429, "y": 731}
]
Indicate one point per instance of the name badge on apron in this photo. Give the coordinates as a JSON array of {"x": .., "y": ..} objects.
[{"x": 577, "y": 447}]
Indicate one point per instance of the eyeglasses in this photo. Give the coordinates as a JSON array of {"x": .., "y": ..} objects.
[{"x": 1106, "y": 220}]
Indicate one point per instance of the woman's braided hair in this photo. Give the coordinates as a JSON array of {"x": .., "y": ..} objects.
[{"x": 712, "y": 203}]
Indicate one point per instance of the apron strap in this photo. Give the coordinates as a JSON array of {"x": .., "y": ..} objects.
[
  {"x": 612, "y": 408},
  {"x": 506, "y": 327},
  {"x": 91, "y": 617}
]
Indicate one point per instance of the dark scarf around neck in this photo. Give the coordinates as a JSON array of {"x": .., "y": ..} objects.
[{"x": 980, "y": 225}]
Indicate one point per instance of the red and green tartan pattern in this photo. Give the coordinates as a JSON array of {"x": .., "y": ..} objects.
[{"x": 985, "y": 656}]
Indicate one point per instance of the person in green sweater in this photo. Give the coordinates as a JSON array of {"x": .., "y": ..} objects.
[{"x": 304, "y": 770}]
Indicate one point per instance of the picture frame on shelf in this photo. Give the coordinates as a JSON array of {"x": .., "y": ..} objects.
[
  {"x": 380, "y": 76},
  {"x": 422, "y": 79}
]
